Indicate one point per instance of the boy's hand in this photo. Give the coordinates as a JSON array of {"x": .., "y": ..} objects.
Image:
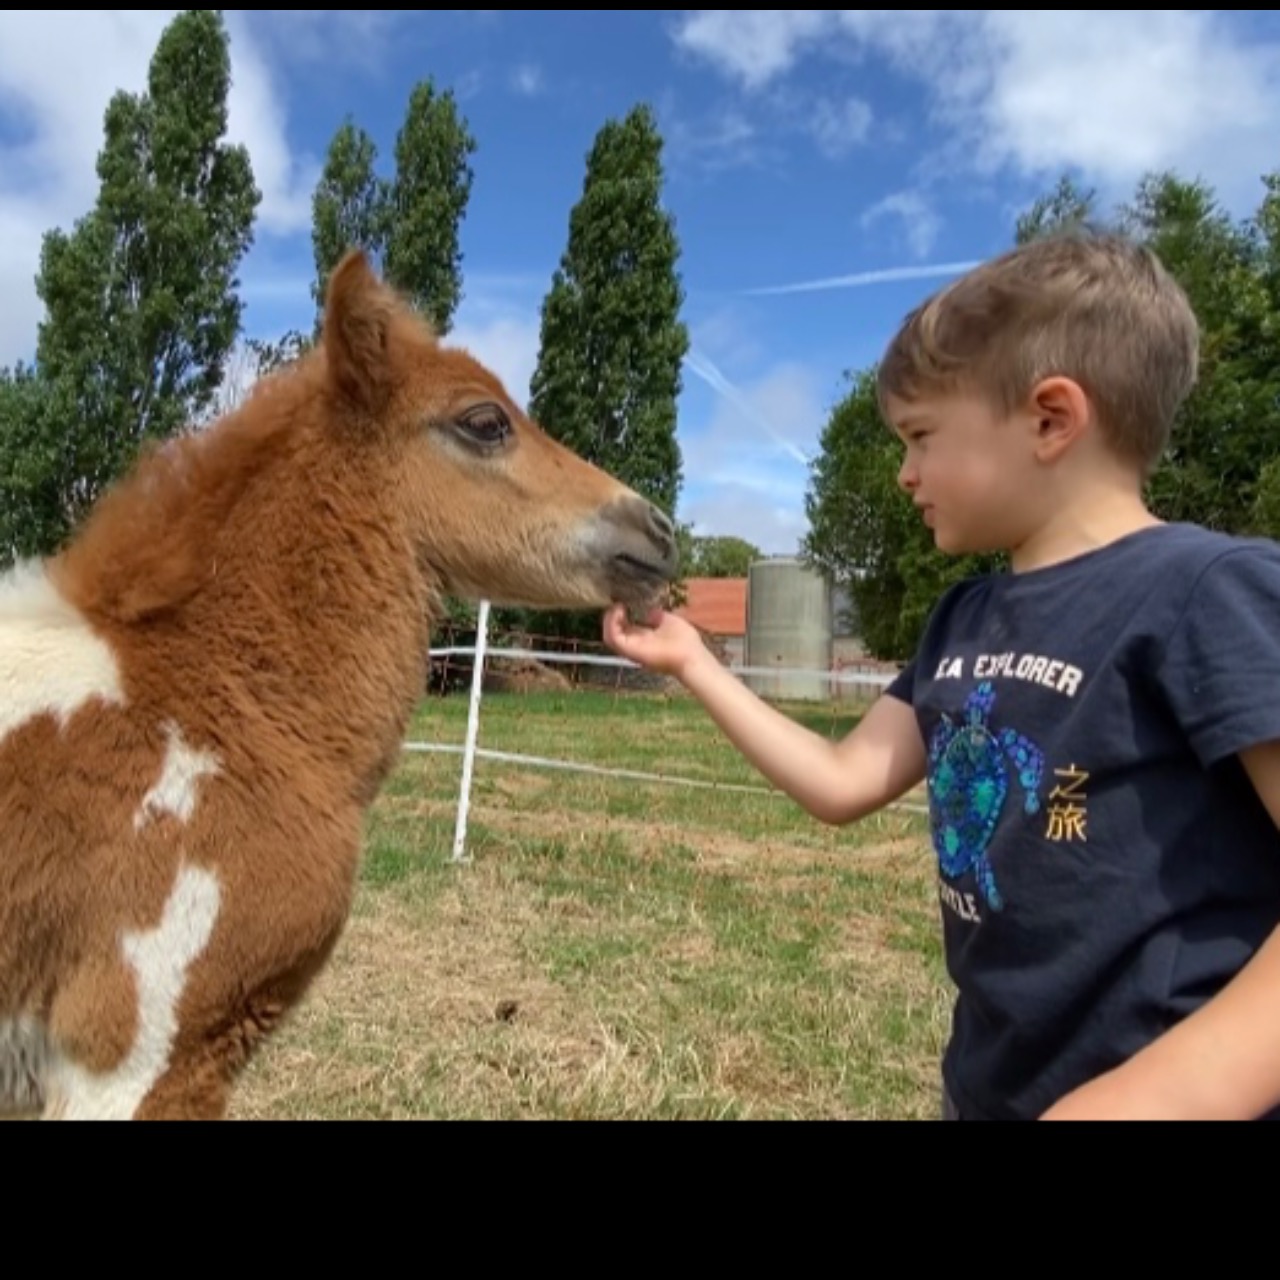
[
  {"x": 1221, "y": 1063},
  {"x": 663, "y": 642}
]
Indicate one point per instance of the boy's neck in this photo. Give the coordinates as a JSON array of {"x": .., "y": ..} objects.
[{"x": 1081, "y": 527}]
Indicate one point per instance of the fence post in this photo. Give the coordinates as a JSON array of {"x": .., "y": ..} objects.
[{"x": 473, "y": 734}]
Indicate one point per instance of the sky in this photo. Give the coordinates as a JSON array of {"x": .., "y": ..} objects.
[{"x": 826, "y": 170}]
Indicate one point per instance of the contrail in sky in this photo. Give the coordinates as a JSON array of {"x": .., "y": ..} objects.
[
  {"x": 704, "y": 369},
  {"x": 889, "y": 275}
]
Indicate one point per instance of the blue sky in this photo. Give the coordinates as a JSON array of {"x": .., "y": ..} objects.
[{"x": 826, "y": 168}]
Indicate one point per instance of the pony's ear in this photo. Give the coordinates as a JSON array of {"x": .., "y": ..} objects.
[{"x": 359, "y": 310}]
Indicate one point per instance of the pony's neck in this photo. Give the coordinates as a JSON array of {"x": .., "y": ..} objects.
[
  {"x": 339, "y": 615},
  {"x": 297, "y": 605}
]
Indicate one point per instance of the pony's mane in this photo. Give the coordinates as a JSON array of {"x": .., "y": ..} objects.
[{"x": 146, "y": 547}]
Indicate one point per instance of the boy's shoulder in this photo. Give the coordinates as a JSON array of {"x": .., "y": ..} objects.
[
  {"x": 1183, "y": 566},
  {"x": 1175, "y": 615},
  {"x": 1149, "y": 582},
  {"x": 1172, "y": 558},
  {"x": 1192, "y": 543}
]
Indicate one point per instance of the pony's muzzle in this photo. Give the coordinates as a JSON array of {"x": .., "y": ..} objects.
[{"x": 641, "y": 548}]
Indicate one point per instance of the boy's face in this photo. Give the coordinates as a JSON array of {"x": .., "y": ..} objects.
[{"x": 971, "y": 473}]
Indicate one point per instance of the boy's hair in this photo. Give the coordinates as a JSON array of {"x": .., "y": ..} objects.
[{"x": 1090, "y": 306}]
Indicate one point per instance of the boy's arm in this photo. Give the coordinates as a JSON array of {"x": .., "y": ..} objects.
[
  {"x": 1222, "y": 1063},
  {"x": 877, "y": 763}
]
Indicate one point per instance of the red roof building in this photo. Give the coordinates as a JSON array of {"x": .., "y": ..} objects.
[{"x": 717, "y": 606}]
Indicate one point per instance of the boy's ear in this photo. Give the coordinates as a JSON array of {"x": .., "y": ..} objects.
[{"x": 1062, "y": 416}]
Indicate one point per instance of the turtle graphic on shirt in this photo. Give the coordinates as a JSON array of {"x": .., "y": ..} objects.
[{"x": 972, "y": 766}]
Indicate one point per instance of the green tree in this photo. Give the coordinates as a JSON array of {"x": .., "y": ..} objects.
[
  {"x": 346, "y": 207},
  {"x": 141, "y": 298},
  {"x": 1230, "y": 427},
  {"x": 270, "y": 356},
  {"x": 1266, "y": 230},
  {"x": 424, "y": 207},
  {"x": 409, "y": 222},
  {"x": 1066, "y": 207},
  {"x": 613, "y": 345},
  {"x": 610, "y": 364},
  {"x": 33, "y": 439},
  {"x": 1266, "y": 508},
  {"x": 722, "y": 558},
  {"x": 1266, "y": 513}
]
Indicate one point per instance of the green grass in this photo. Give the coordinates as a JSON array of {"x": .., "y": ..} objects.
[{"x": 616, "y": 949}]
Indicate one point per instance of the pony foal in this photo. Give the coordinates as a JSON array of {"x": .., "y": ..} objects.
[{"x": 201, "y": 695}]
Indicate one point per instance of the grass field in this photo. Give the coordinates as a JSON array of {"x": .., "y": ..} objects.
[{"x": 615, "y": 949}]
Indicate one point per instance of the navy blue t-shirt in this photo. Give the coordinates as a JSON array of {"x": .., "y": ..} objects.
[{"x": 1105, "y": 865}]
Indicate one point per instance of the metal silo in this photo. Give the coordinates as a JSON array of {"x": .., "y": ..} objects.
[{"x": 789, "y": 629}]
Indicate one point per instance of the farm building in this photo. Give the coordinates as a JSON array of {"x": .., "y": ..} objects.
[{"x": 722, "y": 610}]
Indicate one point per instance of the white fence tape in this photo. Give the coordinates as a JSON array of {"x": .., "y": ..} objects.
[
  {"x": 600, "y": 771},
  {"x": 471, "y": 752},
  {"x": 879, "y": 679}
]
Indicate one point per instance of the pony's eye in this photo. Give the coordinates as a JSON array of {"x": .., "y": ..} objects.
[{"x": 486, "y": 424}]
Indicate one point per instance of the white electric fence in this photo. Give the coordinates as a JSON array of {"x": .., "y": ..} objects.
[{"x": 471, "y": 751}]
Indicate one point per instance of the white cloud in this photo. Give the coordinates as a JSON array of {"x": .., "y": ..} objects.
[
  {"x": 727, "y": 337},
  {"x": 786, "y": 396},
  {"x": 756, "y": 407},
  {"x": 920, "y": 218},
  {"x": 507, "y": 344},
  {"x": 1174, "y": 87},
  {"x": 725, "y": 141},
  {"x": 745, "y": 474},
  {"x": 742, "y": 512},
  {"x": 755, "y": 46},
  {"x": 1115, "y": 93},
  {"x": 527, "y": 80},
  {"x": 729, "y": 136},
  {"x": 58, "y": 71},
  {"x": 839, "y": 127},
  {"x": 358, "y": 35},
  {"x": 500, "y": 323}
]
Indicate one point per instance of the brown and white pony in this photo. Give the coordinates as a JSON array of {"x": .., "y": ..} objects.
[{"x": 203, "y": 693}]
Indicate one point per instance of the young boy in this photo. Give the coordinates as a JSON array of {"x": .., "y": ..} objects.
[{"x": 1099, "y": 728}]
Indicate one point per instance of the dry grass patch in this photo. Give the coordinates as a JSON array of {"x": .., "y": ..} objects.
[{"x": 620, "y": 952}]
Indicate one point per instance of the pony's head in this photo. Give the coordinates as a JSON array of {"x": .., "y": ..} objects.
[{"x": 497, "y": 509}]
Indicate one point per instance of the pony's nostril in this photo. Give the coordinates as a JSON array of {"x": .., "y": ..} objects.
[
  {"x": 662, "y": 529},
  {"x": 661, "y": 523}
]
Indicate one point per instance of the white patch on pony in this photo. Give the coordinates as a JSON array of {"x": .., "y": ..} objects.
[
  {"x": 179, "y": 783},
  {"x": 160, "y": 960},
  {"x": 51, "y": 661},
  {"x": 24, "y": 1059}
]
